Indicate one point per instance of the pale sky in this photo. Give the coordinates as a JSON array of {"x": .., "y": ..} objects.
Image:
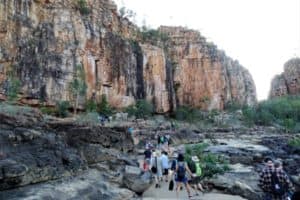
[{"x": 261, "y": 34}]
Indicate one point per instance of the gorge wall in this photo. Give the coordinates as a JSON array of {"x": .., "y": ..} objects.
[
  {"x": 287, "y": 83},
  {"x": 42, "y": 42}
]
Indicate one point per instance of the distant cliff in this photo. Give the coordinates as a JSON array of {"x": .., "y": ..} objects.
[
  {"x": 287, "y": 83},
  {"x": 42, "y": 42}
]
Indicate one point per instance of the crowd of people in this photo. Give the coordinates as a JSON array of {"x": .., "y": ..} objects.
[{"x": 172, "y": 168}]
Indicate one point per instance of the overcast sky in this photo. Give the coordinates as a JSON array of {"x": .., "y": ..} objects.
[{"x": 261, "y": 34}]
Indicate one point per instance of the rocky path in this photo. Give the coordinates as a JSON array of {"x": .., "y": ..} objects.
[{"x": 164, "y": 194}]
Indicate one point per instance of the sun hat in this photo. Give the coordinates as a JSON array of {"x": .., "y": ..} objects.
[{"x": 195, "y": 158}]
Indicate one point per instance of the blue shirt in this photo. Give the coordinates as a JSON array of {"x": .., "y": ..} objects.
[{"x": 165, "y": 161}]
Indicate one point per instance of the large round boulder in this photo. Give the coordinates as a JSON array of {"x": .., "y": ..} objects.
[{"x": 135, "y": 180}]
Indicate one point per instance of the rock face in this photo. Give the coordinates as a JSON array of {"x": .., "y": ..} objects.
[
  {"x": 34, "y": 150},
  {"x": 287, "y": 83},
  {"x": 42, "y": 42},
  {"x": 89, "y": 185},
  {"x": 204, "y": 76}
]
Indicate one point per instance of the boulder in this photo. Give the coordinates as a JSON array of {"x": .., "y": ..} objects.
[
  {"x": 136, "y": 181},
  {"x": 242, "y": 183}
]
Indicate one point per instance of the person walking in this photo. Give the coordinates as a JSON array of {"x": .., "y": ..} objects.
[
  {"x": 274, "y": 182},
  {"x": 197, "y": 171},
  {"x": 181, "y": 178},
  {"x": 156, "y": 168},
  {"x": 165, "y": 165},
  {"x": 147, "y": 159}
]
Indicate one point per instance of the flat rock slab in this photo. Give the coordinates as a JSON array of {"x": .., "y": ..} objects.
[{"x": 89, "y": 185}]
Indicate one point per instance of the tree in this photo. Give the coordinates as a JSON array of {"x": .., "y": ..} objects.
[
  {"x": 103, "y": 107},
  {"x": 78, "y": 86},
  {"x": 13, "y": 86},
  {"x": 127, "y": 13}
]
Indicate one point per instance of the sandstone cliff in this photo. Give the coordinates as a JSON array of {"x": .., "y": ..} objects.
[
  {"x": 287, "y": 83},
  {"x": 42, "y": 42}
]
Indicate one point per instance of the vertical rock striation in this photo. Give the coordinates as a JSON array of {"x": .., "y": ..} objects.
[
  {"x": 204, "y": 77},
  {"x": 42, "y": 42}
]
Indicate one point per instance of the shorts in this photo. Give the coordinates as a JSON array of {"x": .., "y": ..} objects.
[
  {"x": 195, "y": 180},
  {"x": 147, "y": 161},
  {"x": 181, "y": 180},
  {"x": 166, "y": 172}
]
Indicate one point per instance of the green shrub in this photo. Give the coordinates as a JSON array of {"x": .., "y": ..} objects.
[
  {"x": 83, "y": 7},
  {"x": 185, "y": 113},
  {"x": 13, "y": 88},
  {"x": 142, "y": 109},
  {"x": 62, "y": 108},
  {"x": 131, "y": 110},
  {"x": 211, "y": 164},
  {"x": 232, "y": 106},
  {"x": 153, "y": 35},
  {"x": 294, "y": 142},
  {"x": 48, "y": 110},
  {"x": 289, "y": 123},
  {"x": 284, "y": 111},
  {"x": 249, "y": 115},
  {"x": 88, "y": 119},
  {"x": 103, "y": 107},
  {"x": 91, "y": 106},
  {"x": 78, "y": 86}
]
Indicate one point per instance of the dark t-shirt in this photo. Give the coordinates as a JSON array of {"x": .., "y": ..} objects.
[{"x": 147, "y": 154}]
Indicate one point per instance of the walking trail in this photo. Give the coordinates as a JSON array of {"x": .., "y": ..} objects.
[{"x": 164, "y": 194}]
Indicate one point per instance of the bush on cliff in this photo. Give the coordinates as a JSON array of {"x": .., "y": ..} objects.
[
  {"x": 142, "y": 109},
  {"x": 48, "y": 110},
  {"x": 78, "y": 86},
  {"x": 13, "y": 89},
  {"x": 189, "y": 114},
  {"x": 62, "y": 108},
  {"x": 90, "y": 105},
  {"x": 103, "y": 107},
  {"x": 83, "y": 7},
  {"x": 13, "y": 85},
  {"x": 153, "y": 35}
]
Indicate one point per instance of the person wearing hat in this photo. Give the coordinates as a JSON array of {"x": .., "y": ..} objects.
[{"x": 196, "y": 180}]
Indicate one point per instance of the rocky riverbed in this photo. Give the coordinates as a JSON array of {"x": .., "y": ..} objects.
[{"x": 49, "y": 158}]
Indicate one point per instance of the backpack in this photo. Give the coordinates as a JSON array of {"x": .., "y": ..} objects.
[
  {"x": 276, "y": 187},
  {"x": 162, "y": 139},
  {"x": 192, "y": 166},
  {"x": 198, "y": 169},
  {"x": 173, "y": 165},
  {"x": 181, "y": 170}
]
